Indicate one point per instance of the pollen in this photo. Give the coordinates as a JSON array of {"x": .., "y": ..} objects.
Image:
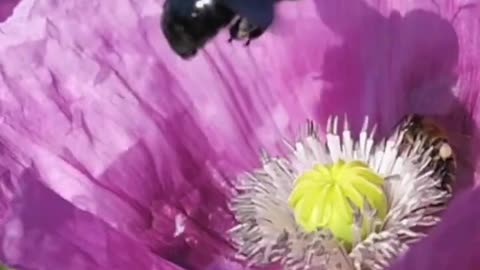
[{"x": 327, "y": 196}]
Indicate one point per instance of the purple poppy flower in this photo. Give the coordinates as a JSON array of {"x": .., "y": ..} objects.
[{"x": 117, "y": 154}]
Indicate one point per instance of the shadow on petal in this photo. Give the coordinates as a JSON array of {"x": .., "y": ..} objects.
[
  {"x": 180, "y": 195},
  {"x": 6, "y": 9},
  {"x": 389, "y": 66}
]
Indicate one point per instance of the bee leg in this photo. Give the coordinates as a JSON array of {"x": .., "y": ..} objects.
[{"x": 248, "y": 42}]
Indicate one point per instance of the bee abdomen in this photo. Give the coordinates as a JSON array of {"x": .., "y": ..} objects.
[{"x": 434, "y": 140}]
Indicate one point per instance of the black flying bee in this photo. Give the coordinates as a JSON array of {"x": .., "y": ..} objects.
[
  {"x": 189, "y": 24},
  {"x": 242, "y": 29}
]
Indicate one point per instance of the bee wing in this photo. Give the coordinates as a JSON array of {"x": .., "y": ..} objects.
[{"x": 258, "y": 12}]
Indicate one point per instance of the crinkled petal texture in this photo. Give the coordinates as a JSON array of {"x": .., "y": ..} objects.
[
  {"x": 43, "y": 231},
  {"x": 107, "y": 128}
]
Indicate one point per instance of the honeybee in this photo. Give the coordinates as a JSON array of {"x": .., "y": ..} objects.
[{"x": 436, "y": 142}]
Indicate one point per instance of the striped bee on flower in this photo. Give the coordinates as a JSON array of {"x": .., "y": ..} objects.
[{"x": 436, "y": 142}]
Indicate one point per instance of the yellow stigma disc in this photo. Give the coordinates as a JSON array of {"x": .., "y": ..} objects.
[{"x": 320, "y": 197}]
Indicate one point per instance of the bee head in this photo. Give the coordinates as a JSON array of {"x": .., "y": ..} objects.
[{"x": 189, "y": 24}]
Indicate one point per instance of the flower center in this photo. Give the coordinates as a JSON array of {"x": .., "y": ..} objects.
[{"x": 328, "y": 196}]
